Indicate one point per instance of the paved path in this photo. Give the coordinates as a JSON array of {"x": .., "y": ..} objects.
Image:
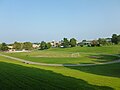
[{"x": 44, "y": 64}]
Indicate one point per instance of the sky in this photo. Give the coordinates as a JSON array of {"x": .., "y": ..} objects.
[{"x": 47, "y": 20}]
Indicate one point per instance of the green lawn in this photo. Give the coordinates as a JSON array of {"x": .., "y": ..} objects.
[
  {"x": 16, "y": 75},
  {"x": 112, "y": 49},
  {"x": 75, "y": 55}
]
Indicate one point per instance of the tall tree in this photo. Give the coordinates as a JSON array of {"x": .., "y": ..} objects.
[
  {"x": 118, "y": 38},
  {"x": 115, "y": 39},
  {"x": 18, "y": 46},
  {"x": 102, "y": 41},
  {"x": 43, "y": 45},
  {"x": 4, "y": 47},
  {"x": 48, "y": 45},
  {"x": 73, "y": 42},
  {"x": 94, "y": 43},
  {"x": 65, "y": 43},
  {"x": 27, "y": 45},
  {"x": 0, "y": 46}
]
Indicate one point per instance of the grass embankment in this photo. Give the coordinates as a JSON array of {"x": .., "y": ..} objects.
[{"x": 16, "y": 75}]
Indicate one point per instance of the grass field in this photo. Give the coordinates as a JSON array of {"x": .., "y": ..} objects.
[
  {"x": 75, "y": 55},
  {"x": 15, "y": 75}
]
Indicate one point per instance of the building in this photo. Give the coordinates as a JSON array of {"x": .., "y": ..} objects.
[
  {"x": 109, "y": 40},
  {"x": 11, "y": 49},
  {"x": 36, "y": 45},
  {"x": 54, "y": 44}
]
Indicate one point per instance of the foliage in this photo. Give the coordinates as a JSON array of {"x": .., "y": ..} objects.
[
  {"x": 43, "y": 45},
  {"x": 65, "y": 43},
  {"x": 27, "y": 45},
  {"x": 102, "y": 41},
  {"x": 4, "y": 47},
  {"x": 18, "y": 46},
  {"x": 115, "y": 38},
  {"x": 95, "y": 43},
  {"x": 0, "y": 46},
  {"x": 73, "y": 42},
  {"x": 48, "y": 45}
]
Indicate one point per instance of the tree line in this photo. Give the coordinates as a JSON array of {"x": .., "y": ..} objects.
[
  {"x": 17, "y": 46},
  {"x": 65, "y": 43}
]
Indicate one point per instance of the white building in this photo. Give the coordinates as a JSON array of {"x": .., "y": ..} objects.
[
  {"x": 11, "y": 49},
  {"x": 35, "y": 46},
  {"x": 54, "y": 43}
]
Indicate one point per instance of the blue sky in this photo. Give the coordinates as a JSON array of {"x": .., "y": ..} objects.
[{"x": 37, "y": 20}]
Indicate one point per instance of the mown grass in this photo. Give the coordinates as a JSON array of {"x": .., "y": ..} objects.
[
  {"x": 112, "y": 49},
  {"x": 16, "y": 75},
  {"x": 74, "y": 55}
]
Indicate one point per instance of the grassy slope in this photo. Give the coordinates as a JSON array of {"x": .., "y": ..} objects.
[
  {"x": 64, "y": 56},
  {"x": 16, "y": 75},
  {"x": 113, "y": 49}
]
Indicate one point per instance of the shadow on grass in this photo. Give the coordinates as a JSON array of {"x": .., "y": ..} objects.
[
  {"x": 112, "y": 70},
  {"x": 104, "y": 58},
  {"x": 17, "y": 77}
]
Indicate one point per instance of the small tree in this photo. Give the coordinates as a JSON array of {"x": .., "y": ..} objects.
[
  {"x": 27, "y": 45},
  {"x": 0, "y": 46},
  {"x": 4, "y": 47},
  {"x": 95, "y": 43},
  {"x": 73, "y": 42},
  {"x": 43, "y": 45},
  {"x": 102, "y": 41},
  {"x": 115, "y": 39},
  {"x": 18, "y": 46},
  {"x": 48, "y": 45},
  {"x": 65, "y": 43},
  {"x": 118, "y": 38}
]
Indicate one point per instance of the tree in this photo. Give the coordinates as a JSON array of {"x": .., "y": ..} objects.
[
  {"x": 4, "y": 47},
  {"x": 95, "y": 43},
  {"x": 43, "y": 45},
  {"x": 73, "y": 42},
  {"x": 27, "y": 45},
  {"x": 115, "y": 39},
  {"x": 0, "y": 46},
  {"x": 102, "y": 41},
  {"x": 118, "y": 38},
  {"x": 48, "y": 45},
  {"x": 18, "y": 46},
  {"x": 65, "y": 43}
]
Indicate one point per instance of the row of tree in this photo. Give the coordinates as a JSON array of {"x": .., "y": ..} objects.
[
  {"x": 17, "y": 46},
  {"x": 108, "y": 41},
  {"x": 65, "y": 43},
  {"x": 21, "y": 46},
  {"x": 68, "y": 43}
]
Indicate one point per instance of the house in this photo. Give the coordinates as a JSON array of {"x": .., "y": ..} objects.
[
  {"x": 87, "y": 43},
  {"x": 54, "y": 44},
  {"x": 109, "y": 40},
  {"x": 36, "y": 45},
  {"x": 11, "y": 49}
]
